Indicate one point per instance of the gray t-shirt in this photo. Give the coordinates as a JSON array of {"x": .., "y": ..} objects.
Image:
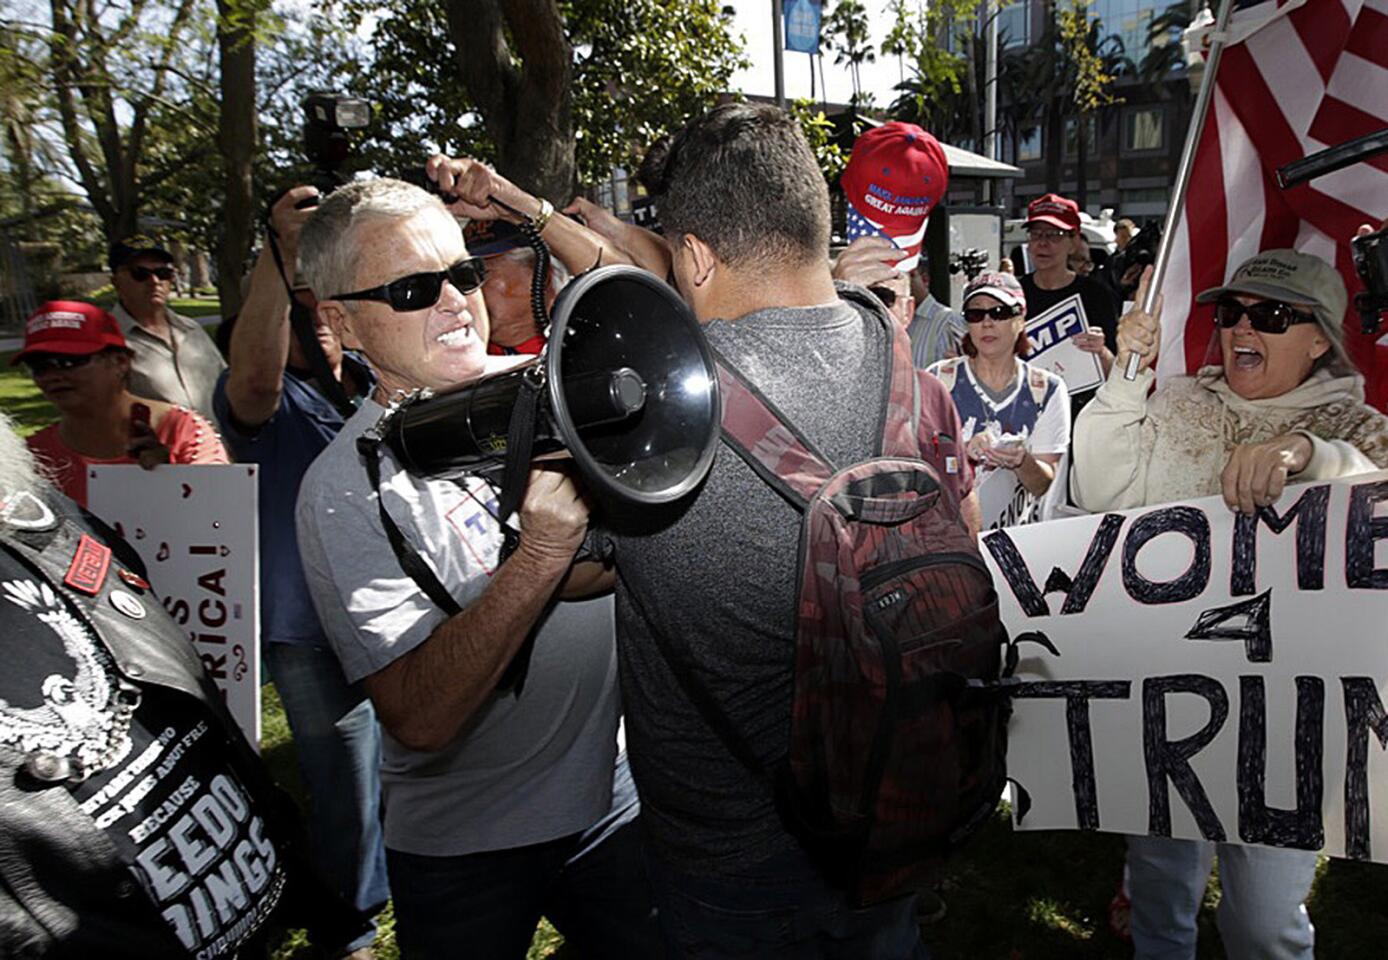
[
  {"x": 182, "y": 370},
  {"x": 524, "y": 770},
  {"x": 719, "y": 582}
]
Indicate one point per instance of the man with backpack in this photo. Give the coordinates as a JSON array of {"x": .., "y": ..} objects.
[{"x": 720, "y": 625}]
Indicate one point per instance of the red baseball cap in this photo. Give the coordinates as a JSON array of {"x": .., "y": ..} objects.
[
  {"x": 71, "y": 327},
  {"x": 895, "y": 177},
  {"x": 1056, "y": 210}
]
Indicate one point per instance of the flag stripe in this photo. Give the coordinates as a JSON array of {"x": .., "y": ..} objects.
[
  {"x": 1322, "y": 29},
  {"x": 1370, "y": 38}
]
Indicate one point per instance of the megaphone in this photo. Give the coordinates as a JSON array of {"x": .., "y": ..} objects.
[{"x": 626, "y": 384}]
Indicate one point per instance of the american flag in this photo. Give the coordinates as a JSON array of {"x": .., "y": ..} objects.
[
  {"x": 860, "y": 226},
  {"x": 1296, "y": 76}
]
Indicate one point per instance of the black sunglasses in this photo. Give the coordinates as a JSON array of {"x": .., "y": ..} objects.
[
  {"x": 141, "y": 274},
  {"x": 43, "y": 362},
  {"x": 1001, "y": 312},
  {"x": 1265, "y": 316},
  {"x": 421, "y": 290}
]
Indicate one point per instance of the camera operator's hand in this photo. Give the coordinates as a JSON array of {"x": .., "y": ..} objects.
[
  {"x": 475, "y": 184},
  {"x": 287, "y": 220},
  {"x": 868, "y": 261}
]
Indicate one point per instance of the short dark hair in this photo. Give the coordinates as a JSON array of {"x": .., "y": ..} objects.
[{"x": 742, "y": 179}]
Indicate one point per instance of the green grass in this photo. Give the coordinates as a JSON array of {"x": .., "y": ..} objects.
[{"x": 1010, "y": 896}]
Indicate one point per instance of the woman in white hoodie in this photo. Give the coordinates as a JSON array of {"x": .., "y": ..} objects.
[{"x": 1285, "y": 405}]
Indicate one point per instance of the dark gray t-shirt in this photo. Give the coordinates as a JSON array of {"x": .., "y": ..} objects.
[{"x": 719, "y": 582}]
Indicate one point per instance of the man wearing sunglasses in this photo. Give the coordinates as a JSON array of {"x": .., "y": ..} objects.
[
  {"x": 1282, "y": 404},
  {"x": 175, "y": 360},
  {"x": 497, "y": 807}
]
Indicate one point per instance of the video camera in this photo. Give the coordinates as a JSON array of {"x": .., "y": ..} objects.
[
  {"x": 329, "y": 119},
  {"x": 1370, "y": 252},
  {"x": 970, "y": 262}
]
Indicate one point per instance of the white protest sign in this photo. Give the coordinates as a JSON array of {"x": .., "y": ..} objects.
[
  {"x": 1053, "y": 348},
  {"x": 1217, "y": 677},
  {"x": 1003, "y": 501},
  {"x": 196, "y": 530}
]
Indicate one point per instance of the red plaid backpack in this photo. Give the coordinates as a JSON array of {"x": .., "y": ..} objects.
[{"x": 898, "y": 731}]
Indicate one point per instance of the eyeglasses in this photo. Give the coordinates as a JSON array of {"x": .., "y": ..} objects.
[
  {"x": 886, "y": 294},
  {"x": 141, "y": 274},
  {"x": 1048, "y": 236},
  {"x": 1265, "y": 316},
  {"x": 43, "y": 362},
  {"x": 420, "y": 290},
  {"x": 1000, "y": 312}
]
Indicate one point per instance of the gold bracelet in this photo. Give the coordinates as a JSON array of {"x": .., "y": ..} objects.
[{"x": 541, "y": 219}]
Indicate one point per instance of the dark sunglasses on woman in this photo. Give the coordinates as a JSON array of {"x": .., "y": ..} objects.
[
  {"x": 141, "y": 274},
  {"x": 43, "y": 362},
  {"x": 1000, "y": 313},
  {"x": 1265, "y": 316},
  {"x": 421, "y": 290}
]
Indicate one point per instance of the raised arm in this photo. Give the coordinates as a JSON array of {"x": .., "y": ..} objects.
[
  {"x": 645, "y": 248},
  {"x": 1109, "y": 471},
  {"x": 475, "y": 184},
  {"x": 260, "y": 341}
]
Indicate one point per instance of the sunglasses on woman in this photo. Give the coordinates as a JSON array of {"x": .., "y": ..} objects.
[
  {"x": 1000, "y": 312},
  {"x": 141, "y": 274},
  {"x": 43, "y": 362},
  {"x": 1265, "y": 316},
  {"x": 421, "y": 290}
]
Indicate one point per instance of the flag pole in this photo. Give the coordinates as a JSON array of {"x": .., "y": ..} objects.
[{"x": 1178, "y": 192}]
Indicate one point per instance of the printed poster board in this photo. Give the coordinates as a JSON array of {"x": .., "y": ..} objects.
[
  {"x": 1053, "y": 349},
  {"x": 196, "y": 530},
  {"x": 1214, "y": 676}
]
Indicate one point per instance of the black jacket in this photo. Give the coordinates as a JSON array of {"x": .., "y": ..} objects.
[{"x": 64, "y": 890}]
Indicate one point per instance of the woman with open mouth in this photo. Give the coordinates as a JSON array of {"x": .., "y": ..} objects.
[{"x": 1284, "y": 404}]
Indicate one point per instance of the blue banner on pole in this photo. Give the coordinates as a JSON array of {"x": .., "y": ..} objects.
[{"x": 802, "y": 25}]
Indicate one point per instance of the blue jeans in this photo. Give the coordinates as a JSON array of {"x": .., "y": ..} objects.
[
  {"x": 591, "y": 885},
  {"x": 1261, "y": 914},
  {"x": 338, "y": 745},
  {"x": 780, "y": 909}
]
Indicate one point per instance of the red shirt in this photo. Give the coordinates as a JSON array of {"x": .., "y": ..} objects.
[{"x": 189, "y": 437}]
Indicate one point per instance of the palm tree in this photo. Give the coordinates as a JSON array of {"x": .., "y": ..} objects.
[{"x": 848, "y": 30}]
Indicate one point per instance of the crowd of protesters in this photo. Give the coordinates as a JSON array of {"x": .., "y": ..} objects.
[{"x": 434, "y": 779}]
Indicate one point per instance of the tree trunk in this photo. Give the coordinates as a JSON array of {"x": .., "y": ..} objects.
[
  {"x": 237, "y": 135},
  {"x": 525, "y": 94}
]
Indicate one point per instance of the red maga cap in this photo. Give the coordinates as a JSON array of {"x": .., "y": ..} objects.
[
  {"x": 71, "y": 327},
  {"x": 895, "y": 177},
  {"x": 1056, "y": 210}
]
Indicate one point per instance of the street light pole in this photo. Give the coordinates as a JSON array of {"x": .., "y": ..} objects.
[{"x": 779, "y": 41}]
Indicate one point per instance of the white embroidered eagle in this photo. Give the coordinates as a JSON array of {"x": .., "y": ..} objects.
[{"x": 74, "y": 720}]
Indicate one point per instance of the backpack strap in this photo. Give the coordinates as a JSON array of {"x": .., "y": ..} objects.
[
  {"x": 896, "y": 430},
  {"x": 948, "y": 373},
  {"x": 772, "y": 446}
]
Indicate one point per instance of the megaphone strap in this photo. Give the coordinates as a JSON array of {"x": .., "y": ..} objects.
[{"x": 414, "y": 566}]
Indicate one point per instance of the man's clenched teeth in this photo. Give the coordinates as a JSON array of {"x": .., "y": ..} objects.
[{"x": 456, "y": 337}]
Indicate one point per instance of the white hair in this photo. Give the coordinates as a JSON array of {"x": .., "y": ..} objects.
[
  {"x": 19, "y": 468},
  {"x": 328, "y": 247},
  {"x": 559, "y": 275}
]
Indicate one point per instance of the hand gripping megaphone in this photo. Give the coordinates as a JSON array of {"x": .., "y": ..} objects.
[{"x": 626, "y": 384}]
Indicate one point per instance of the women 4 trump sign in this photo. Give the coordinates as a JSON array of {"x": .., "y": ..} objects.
[{"x": 1207, "y": 674}]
